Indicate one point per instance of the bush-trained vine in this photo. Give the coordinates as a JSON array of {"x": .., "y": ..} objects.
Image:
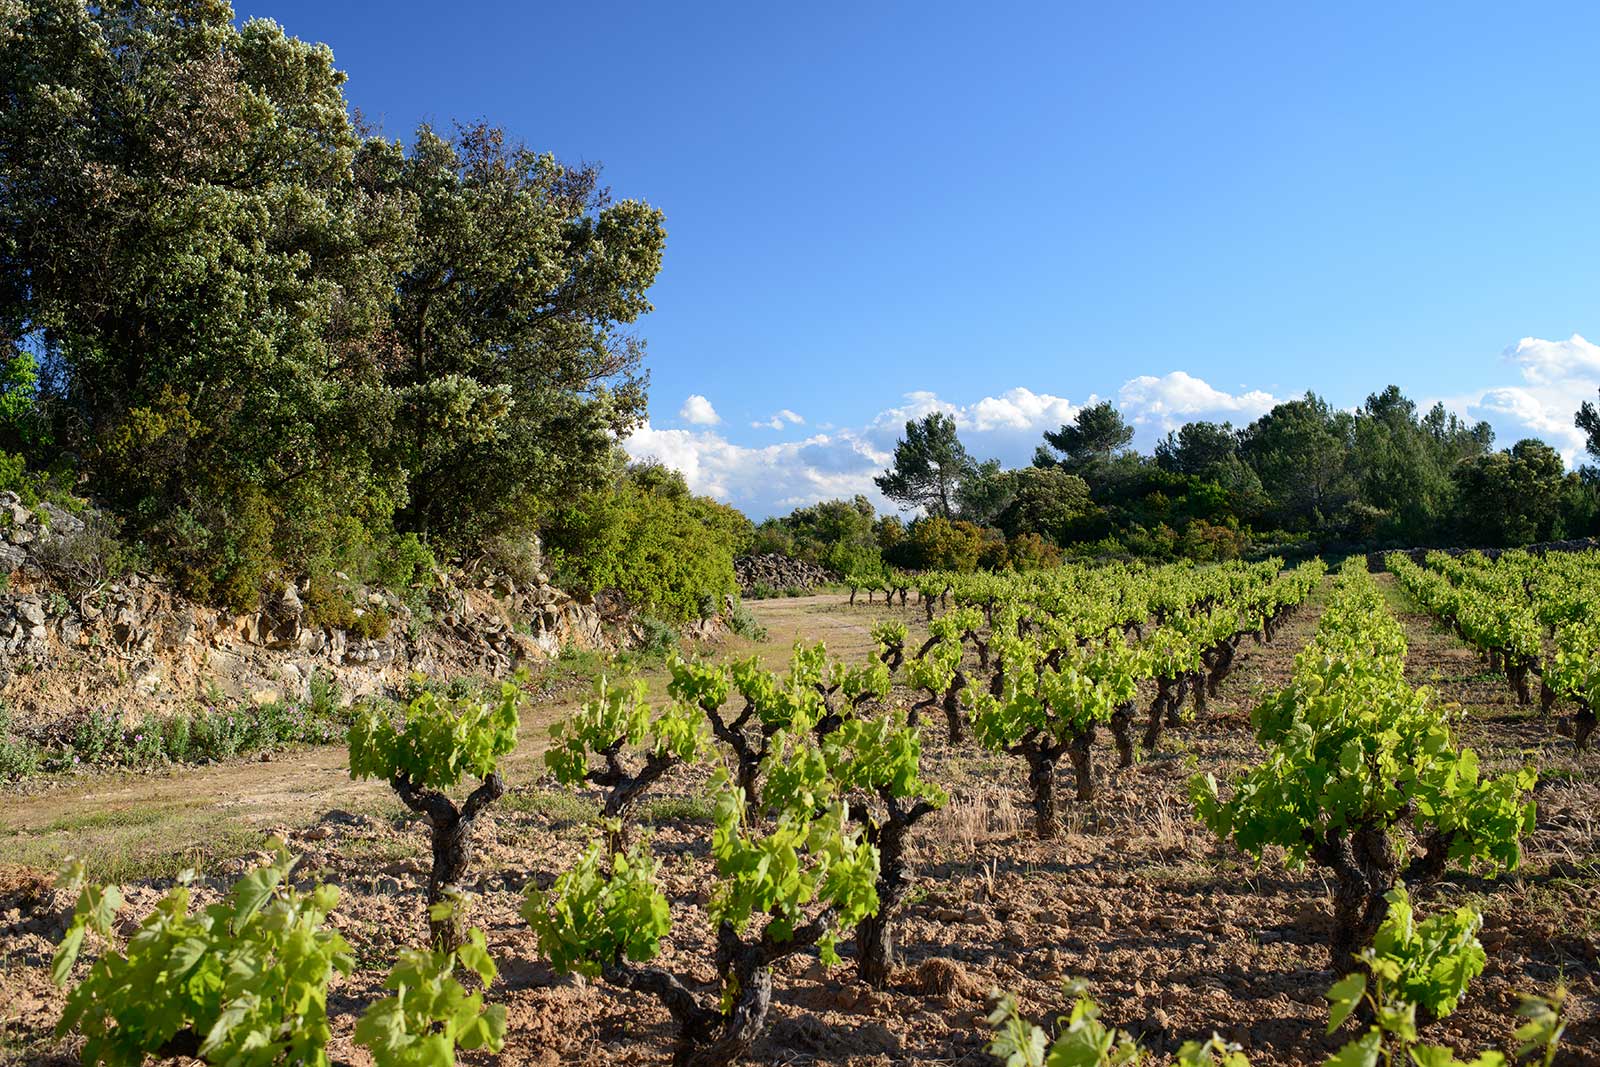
[
  {"x": 435, "y": 745},
  {"x": 1527, "y": 616},
  {"x": 616, "y": 719},
  {"x": 1051, "y": 706},
  {"x": 875, "y": 767},
  {"x": 1353, "y": 752},
  {"x": 778, "y": 892}
]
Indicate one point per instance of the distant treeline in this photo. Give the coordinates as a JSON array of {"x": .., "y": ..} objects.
[{"x": 1305, "y": 474}]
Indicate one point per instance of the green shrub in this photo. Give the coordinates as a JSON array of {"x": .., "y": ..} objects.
[
  {"x": 14, "y": 476},
  {"x": 404, "y": 563},
  {"x": 658, "y": 638},
  {"x": 743, "y": 622},
  {"x": 935, "y": 543},
  {"x": 175, "y": 731},
  {"x": 91, "y": 557},
  {"x": 647, "y": 537},
  {"x": 218, "y": 733},
  {"x": 1030, "y": 551},
  {"x": 19, "y": 757},
  {"x": 98, "y": 738}
]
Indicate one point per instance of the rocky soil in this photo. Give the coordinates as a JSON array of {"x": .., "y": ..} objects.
[{"x": 1178, "y": 934}]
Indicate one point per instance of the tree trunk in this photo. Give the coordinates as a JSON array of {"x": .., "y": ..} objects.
[
  {"x": 1175, "y": 703},
  {"x": 625, "y": 791},
  {"x": 952, "y": 707},
  {"x": 1158, "y": 707},
  {"x": 743, "y": 1026},
  {"x": 451, "y": 830},
  {"x": 1583, "y": 723},
  {"x": 1122, "y": 732},
  {"x": 875, "y": 956},
  {"x": 1042, "y": 781},
  {"x": 1519, "y": 682},
  {"x": 1365, "y": 868},
  {"x": 1080, "y": 752}
]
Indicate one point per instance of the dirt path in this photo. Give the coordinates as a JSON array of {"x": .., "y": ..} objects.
[{"x": 144, "y": 818}]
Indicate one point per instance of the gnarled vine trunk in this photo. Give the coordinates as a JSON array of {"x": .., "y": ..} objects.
[
  {"x": 875, "y": 955},
  {"x": 1122, "y": 733},
  {"x": 707, "y": 1036},
  {"x": 1042, "y": 783},
  {"x": 1365, "y": 868},
  {"x": 1158, "y": 709},
  {"x": 1080, "y": 750},
  {"x": 451, "y": 830},
  {"x": 952, "y": 707}
]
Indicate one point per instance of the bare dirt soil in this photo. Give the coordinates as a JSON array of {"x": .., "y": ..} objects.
[{"x": 1178, "y": 934}]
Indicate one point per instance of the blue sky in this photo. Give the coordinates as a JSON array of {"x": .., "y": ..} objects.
[{"x": 1005, "y": 210}]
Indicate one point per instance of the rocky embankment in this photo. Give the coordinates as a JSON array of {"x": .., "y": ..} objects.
[
  {"x": 778, "y": 572},
  {"x": 136, "y": 641}
]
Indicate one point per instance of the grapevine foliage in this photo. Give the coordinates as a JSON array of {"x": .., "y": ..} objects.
[
  {"x": 803, "y": 860},
  {"x": 1413, "y": 964},
  {"x": 439, "y": 742},
  {"x": 1412, "y": 967},
  {"x": 430, "y": 1014},
  {"x": 620, "y": 716},
  {"x": 1352, "y": 751},
  {"x": 599, "y": 911},
  {"x": 243, "y": 982},
  {"x": 1083, "y": 1040}
]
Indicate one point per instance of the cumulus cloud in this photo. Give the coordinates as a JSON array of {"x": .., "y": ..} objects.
[
  {"x": 1557, "y": 376},
  {"x": 829, "y": 463},
  {"x": 697, "y": 411},
  {"x": 1021, "y": 409},
  {"x": 766, "y": 480},
  {"x": 1167, "y": 402},
  {"x": 779, "y": 420},
  {"x": 1016, "y": 409},
  {"x": 1556, "y": 362}
]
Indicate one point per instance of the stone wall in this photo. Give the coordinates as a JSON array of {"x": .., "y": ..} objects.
[
  {"x": 778, "y": 572},
  {"x": 1417, "y": 555},
  {"x": 136, "y": 641}
]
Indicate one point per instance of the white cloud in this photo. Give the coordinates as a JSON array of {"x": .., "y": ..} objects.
[
  {"x": 1556, "y": 362},
  {"x": 1557, "y": 376},
  {"x": 834, "y": 462},
  {"x": 1021, "y": 409},
  {"x": 697, "y": 411},
  {"x": 766, "y": 480},
  {"x": 1016, "y": 409},
  {"x": 1167, "y": 402},
  {"x": 782, "y": 418}
]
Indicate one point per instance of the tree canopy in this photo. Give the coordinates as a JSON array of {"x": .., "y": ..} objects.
[
  {"x": 929, "y": 465},
  {"x": 272, "y": 340}
]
